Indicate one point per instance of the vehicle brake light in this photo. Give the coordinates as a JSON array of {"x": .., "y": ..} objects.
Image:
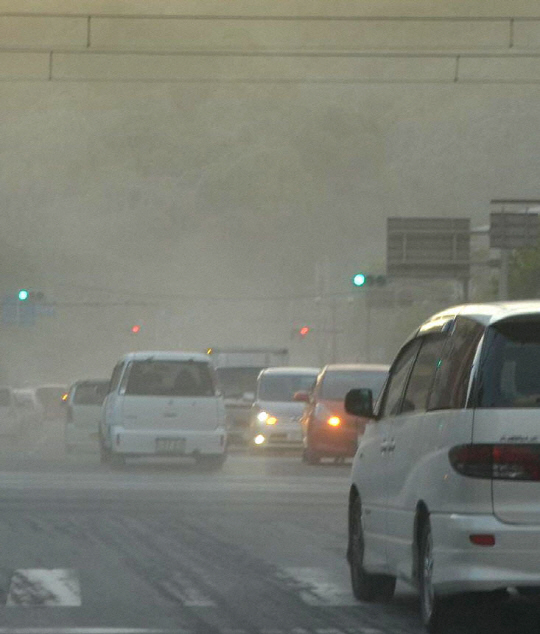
[
  {"x": 482, "y": 540},
  {"x": 498, "y": 462},
  {"x": 334, "y": 421}
]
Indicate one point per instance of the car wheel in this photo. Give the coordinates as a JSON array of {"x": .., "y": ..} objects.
[
  {"x": 311, "y": 457},
  {"x": 365, "y": 586},
  {"x": 432, "y": 606},
  {"x": 117, "y": 460},
  {"x": 104, "y": 452},
  {"x": 211, "y": 463}
]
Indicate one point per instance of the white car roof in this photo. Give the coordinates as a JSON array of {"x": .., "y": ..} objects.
[
  {"x": 356, "y": 367},
  {"x": 486, "y": 314},
  {"x": 164, "y": 355},
  {"x": 285, "y": 370}
]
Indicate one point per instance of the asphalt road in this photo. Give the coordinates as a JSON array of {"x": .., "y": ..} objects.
[{"x": 257, "y": 548}]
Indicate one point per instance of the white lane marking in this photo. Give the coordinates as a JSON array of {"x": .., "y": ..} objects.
[
  {"x": 316, "y": 588},
  {"x": 186, "y": 592},
  {"x": 38, "y": 586}
]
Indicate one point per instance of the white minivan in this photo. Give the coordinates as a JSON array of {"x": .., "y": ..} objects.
[
  {"x": 445, "y": 490},
  {"x": 163, "y": 404}
]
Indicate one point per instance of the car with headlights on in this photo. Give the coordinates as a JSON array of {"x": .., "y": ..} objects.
[
  {"x": 327, "y": 430},
  {"x": 275, "y": 415},
  {"x": 445, "y": 489}
]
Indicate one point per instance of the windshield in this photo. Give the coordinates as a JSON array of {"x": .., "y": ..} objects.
[
  {"x": 335, "y": 384},
  {"x": 169, "y": 378},
  {"x": 282, "y": 387},
  {"x": 510, "y": 367},
  {"x": 235, "y": 382},
  {"x": 90, "y": 393}
]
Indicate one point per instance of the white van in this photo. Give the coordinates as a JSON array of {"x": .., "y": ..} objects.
[
  {"x": 445, "y": 488},
  {"x": 163, "y": 404},
  {"x": 83, "y": 413},
  {"x": 10, "y": 423}
]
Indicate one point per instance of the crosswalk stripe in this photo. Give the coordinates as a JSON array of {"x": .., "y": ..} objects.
[
  {"x": 316, "y": 588},
  {"x": 38, "y": 586}
]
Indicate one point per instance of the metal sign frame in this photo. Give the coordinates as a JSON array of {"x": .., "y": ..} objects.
[{"x": 429, "y": 248}]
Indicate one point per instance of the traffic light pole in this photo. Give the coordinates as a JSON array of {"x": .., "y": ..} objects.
[
  {"x": 367, "y": 329},
  {"x": 504, "y": 272}
]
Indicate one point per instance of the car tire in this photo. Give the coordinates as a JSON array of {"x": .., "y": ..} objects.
[
  {"x": 117, "y": 460},
  {"x": 433, "y": 607},
  {"x": 211, "y": 463},
  {"x": 310, "y": 457},
  {"x": 104, "y": 452},
  {"x": 365, "y": 586}
]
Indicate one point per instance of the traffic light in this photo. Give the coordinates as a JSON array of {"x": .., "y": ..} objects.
[
  {"x": 366, "y": 279},
  {"x": 25, "y": 295},
  {"x": 304, "y": 330},
  {"x": 136, "y": 329}
]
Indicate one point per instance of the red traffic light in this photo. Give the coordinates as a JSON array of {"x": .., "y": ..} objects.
[
  {"x": 304, "y": 331},
  {"x": 135, "y": 329}
]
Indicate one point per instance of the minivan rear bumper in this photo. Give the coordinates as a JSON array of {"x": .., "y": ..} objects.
[
  {"x": 144, "y": 442},
  {"x": 461, "y": 566}
]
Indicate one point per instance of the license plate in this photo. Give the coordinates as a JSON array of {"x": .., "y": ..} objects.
[{"x": 170, "y": 445}]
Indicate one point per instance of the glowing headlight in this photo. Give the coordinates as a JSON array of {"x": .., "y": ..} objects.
[
  {"x": 258, "y": 440},
  {"x": 262, "y": 416}
]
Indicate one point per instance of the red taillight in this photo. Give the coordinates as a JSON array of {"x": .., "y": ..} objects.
[
  {"x": 482, "y": 540},
  {"x": 498, "y": 462}
]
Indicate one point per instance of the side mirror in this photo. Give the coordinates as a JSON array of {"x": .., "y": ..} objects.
[
  {"x": 302, "y": 397},
  {"x": 360, "y": 403}
]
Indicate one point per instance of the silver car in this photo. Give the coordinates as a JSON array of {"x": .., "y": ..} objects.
[{"x": 275, "y": 415}]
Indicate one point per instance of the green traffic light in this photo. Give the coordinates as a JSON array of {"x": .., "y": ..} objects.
[
  {"x": 359, "y": 279},
  {"x": 23, "y": 295}
]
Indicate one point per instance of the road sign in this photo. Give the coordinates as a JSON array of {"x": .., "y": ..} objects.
[
  {"x": 428, "y": 248},
  {"x": 513, "y": 230}
]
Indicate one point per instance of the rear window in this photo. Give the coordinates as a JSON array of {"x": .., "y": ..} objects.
[
  {"x": 90, "y": 393},
  {"x": 335, "y": 385},
  {"x": 281, "y": 387},
  {"x": 509, "y": 374},
  {"x": 170, "y": 378},
  {"x": 237, "y": 381},
  {"x": 5, "y": 398}
]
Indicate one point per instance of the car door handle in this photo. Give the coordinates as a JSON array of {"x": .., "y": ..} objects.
[
  {"x": 384, "y": 446},
  {"x": 170, "y": 414},
  {"x": 391, "y": 445}
]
